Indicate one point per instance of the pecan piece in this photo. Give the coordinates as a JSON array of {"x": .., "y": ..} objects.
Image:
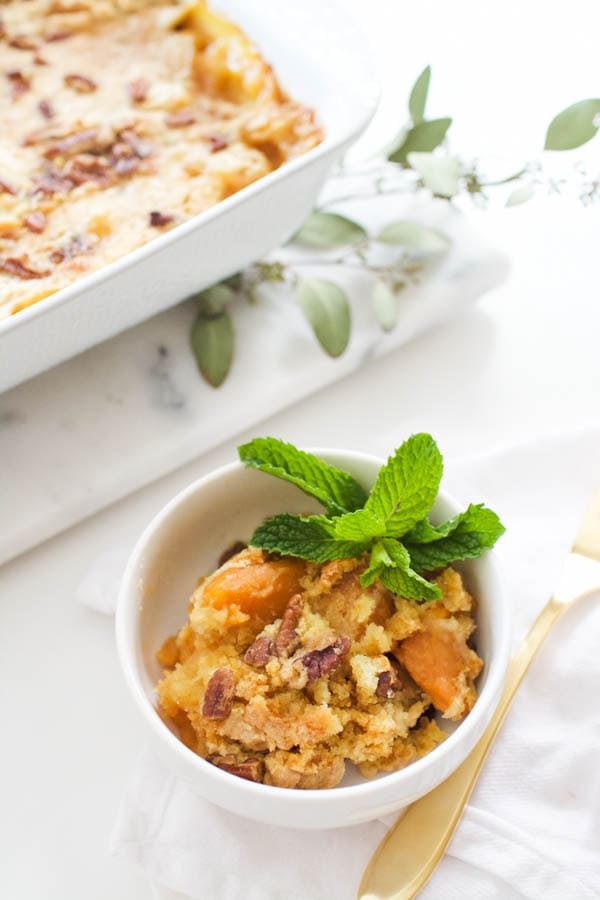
[
  {"x": 319, "y": 663},
  {"x": 55, "y": 36},
  {"x": 252, "y": 769},
  {"x": 180, "y": 118},
  {"x": 220, "y": 690},
  {"x": 140, "y": 147},
  {"x": 217, "y": 142},
  {"x": 46, "y": 109},
  {"x": 260, "y": 652},
  {"x": 80, "y": 83},
  {"x": 18, "y": 83},
  {"x": 287, "y": 638},
  {"x": 35, "y": 221},
  {"x": 20, "y": 269},
  {"x": 230, "y": 551},
  {"x": 78, "y": 142},
  {"x": 52, "y": 182},
  {"x": 126, "y": 165},
  {"x": 86, "y": 167},
  {"x": 158, "y": 219},
  {"x": 22, "y": 42},
  {"x": 74, "y": 247},
  {"x": 39, "y": 60},
  {"x": 391, "y": 681},
  {"x": 137, "y": 90},
  {"x": 6, "y": 187}
]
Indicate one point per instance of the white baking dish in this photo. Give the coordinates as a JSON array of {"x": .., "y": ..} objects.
[{"x": 320, "y": 59}]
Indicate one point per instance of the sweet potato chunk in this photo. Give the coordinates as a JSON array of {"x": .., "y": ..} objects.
[
  {"x": 436, "y": 658},
  {"x": 261, "y": 589}
]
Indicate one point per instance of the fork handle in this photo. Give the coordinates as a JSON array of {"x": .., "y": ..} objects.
[{"x": 412, "y": 848}]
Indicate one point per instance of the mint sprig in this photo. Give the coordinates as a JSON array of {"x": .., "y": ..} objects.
[
  {"x": 337, "y": 490},
  {"x": 391, "y": 522}
]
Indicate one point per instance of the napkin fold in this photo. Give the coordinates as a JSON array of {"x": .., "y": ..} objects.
[{"x": 532, "y": 828}]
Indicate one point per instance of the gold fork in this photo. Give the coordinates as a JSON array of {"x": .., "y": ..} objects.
[{"x": 412, "y": 848}]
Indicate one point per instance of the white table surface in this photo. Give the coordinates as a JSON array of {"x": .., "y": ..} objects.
[{"x": 524, "y": 362}]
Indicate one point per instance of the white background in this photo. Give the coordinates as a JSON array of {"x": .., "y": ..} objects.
[{"x": 524, "y": 363}]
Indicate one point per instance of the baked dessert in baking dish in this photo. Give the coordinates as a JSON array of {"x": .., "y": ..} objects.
[{"x": 122, "y": 119}]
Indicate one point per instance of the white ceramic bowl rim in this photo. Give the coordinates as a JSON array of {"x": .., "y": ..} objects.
[{"x": 126, "y": 638}]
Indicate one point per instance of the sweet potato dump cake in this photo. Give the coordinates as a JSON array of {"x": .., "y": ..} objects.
[
  {"x": 333, "y": 638},
  {"x": 286, "y": 670},
  {"x": 121, "y": 119}
]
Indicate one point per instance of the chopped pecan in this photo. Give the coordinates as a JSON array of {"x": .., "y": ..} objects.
[
  {"x": 287, "y": 638},
  {"x": 78, "y": 142},
  {"x": 18, "y": 83},
  {"x": 6, "y": 187},
  {"x": 22, "y": 42},
  {"x": 55, "y": 36},
  {"x": 85, "y": 167},
  {"x": 386, "y": 685},
  {"x": 389, "y": 682},
  {"x": 217, "y": 142},
  {"x": 52, "y": 182},
  {"x": 323, "y": 662},
  {"x": 137, "y": 90},
  {"x": 46, "y": 109},
  {"x": 43, "y": 134},
  {"x": 76, "y": 246},
  {"x": 139, "y": 146},
  {"x": 230, "y": 551},
  {"x": 20, "y": 269},
  {"x": 126, "y": 165},
  {"x": 180, "y": 118},
  {"x": 158, "y": 219},
  {"x": 252, "y": 769},
  {"x": 80, "y": 83},
  {"x": 260, "y": 652},
  {"x": 121, "y": 150},
  {"x": 220, "y": 690},
  {"x": 35, "y": 221},
  {"x": 39, "y": 60}
]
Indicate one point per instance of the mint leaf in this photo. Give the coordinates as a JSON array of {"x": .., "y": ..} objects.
[
  {"x": 337, "y": 490},
  {"x": 407, "y": 485},
  {"x": 359, "y": 526},
  {"x": 465, "y": 536},
  {"x": 401, "y": 579},
  {"x": 409, "y": 585},
  {"x": 309, "y": 537},
  {"x": 380, "y": 558},
  {"x": 390, "y": 562}
]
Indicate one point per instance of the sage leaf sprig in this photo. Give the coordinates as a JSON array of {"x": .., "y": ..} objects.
[
  {"x": 322, "y": 301},
  {"x": 391, "y": 523}
]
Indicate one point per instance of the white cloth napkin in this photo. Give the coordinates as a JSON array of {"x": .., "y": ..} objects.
[{"x": 532, "y": 828}]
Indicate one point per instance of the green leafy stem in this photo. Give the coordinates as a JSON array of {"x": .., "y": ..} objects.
[{"x": 421, "y": 161}]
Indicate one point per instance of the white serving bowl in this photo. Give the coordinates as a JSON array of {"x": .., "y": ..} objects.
[{"x": 183, "y": 542}]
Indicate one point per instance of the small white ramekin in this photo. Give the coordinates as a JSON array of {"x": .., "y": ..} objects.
[{"x": 182, "y": 543}]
